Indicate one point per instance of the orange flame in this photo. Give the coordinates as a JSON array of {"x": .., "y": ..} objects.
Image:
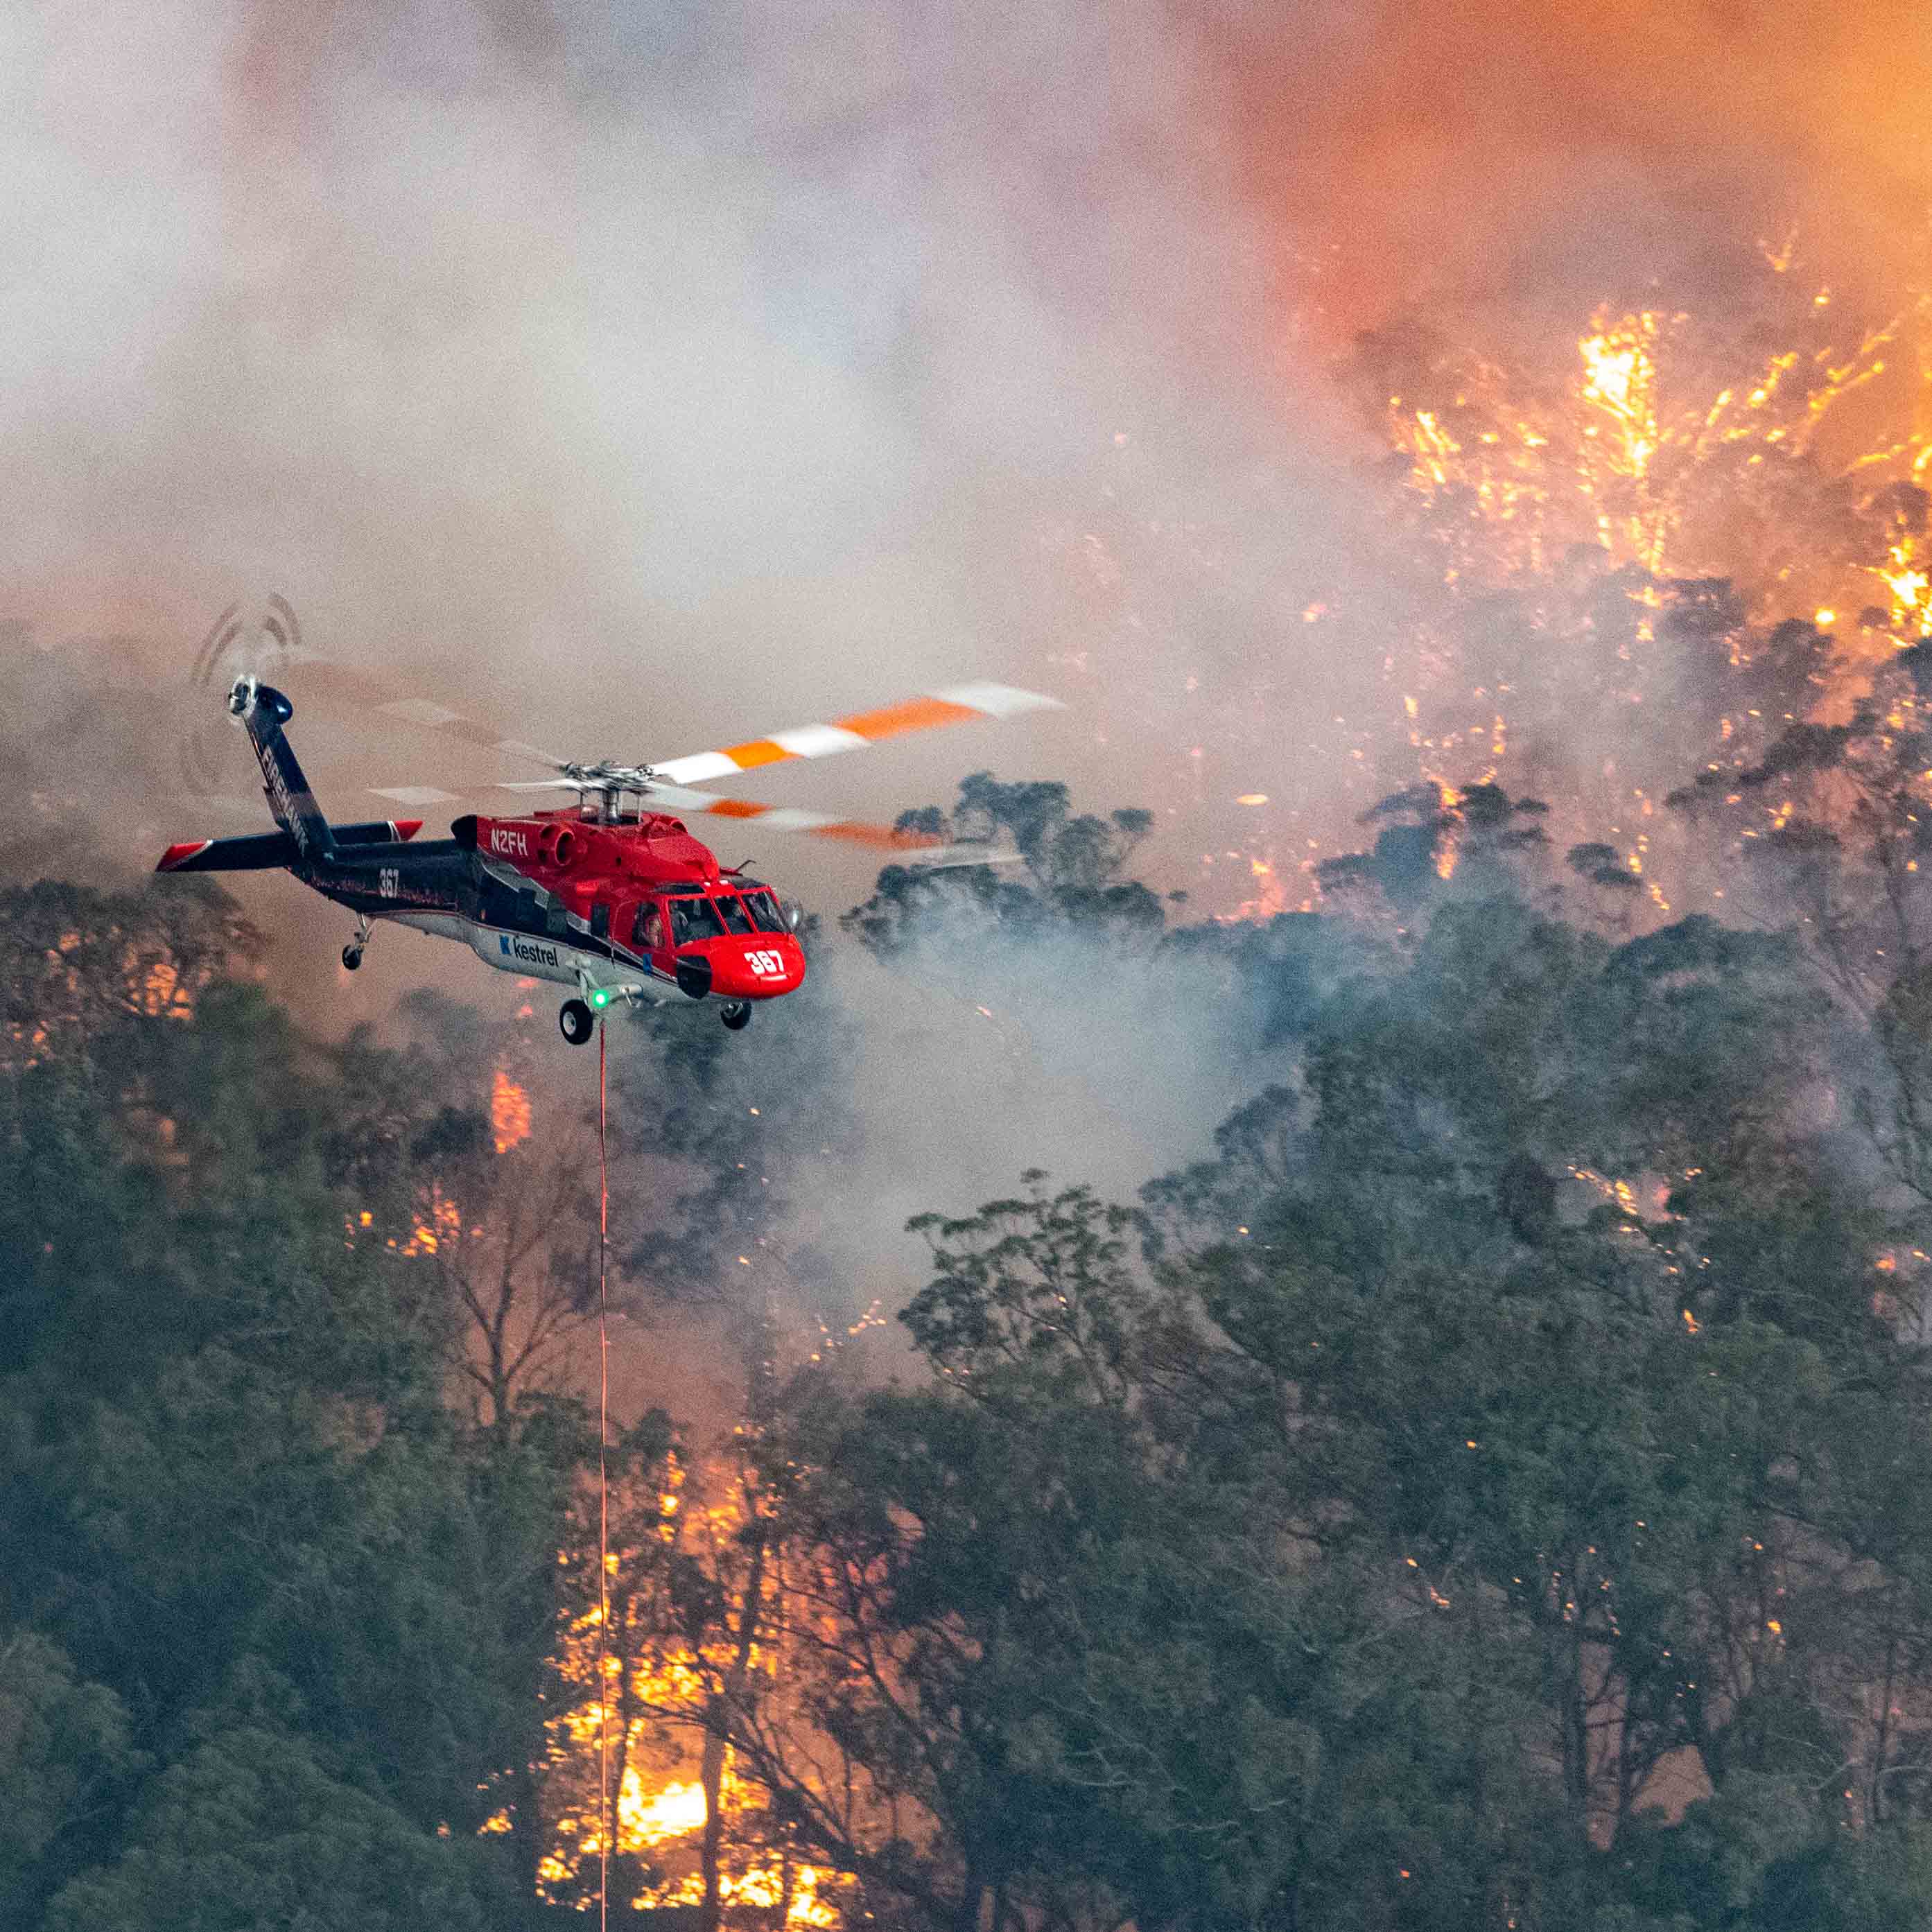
[{"x": 509, "y": 1112}]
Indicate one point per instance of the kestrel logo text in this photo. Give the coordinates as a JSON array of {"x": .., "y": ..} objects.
[{"x": 531, "y": 955}]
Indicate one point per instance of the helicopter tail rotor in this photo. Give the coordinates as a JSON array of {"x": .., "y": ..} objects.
[{"x": 241, "y": 652}]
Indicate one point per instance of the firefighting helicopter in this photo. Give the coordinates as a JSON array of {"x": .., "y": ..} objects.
[{"x": 610, "y": 896}]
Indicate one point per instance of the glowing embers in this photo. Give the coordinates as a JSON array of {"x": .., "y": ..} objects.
[
  {"x": 159, "y": 990},
  {"x": 1622, "y": 1195},
  {"x": 509, "y": 1112},
  {"x": 1620, "y": 383},
  {"x": 443, "y": 1225},
  {"x": 1622, "y": 374},
  {"x": 1905, "y": 580},
  {"x": 1448, "y": 844},
  {"x": 1271, "y": 895},
  {"x": 1663, "y": 441}
]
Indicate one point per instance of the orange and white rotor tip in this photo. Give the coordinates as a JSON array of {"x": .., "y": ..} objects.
[{"x": 956, "y": 704}]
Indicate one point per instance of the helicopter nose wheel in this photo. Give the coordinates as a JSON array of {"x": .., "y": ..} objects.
[
  {"x": 351, "y": 953},
  {"x": 576, "y": 1022},
  {"x": 737, "y": 1015},
  {"x": 352, "y": 957}
]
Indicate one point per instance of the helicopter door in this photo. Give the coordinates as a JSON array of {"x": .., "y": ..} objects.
[{"x": 650, "y": 933}]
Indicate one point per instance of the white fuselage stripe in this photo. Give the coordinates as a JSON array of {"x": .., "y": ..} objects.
[{"x": 530, "y": 955}]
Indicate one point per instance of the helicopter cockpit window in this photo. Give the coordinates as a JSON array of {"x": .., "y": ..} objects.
[
  {"x": 763, "y": 908},
  {"x": 647, "y": 934},
  {"x": 694, "y": 919},
  {"x": 735, "y": 917}
]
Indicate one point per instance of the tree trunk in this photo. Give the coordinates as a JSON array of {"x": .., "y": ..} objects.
[
  {"x": 1572, "y": 1711},
  {"x": 526, "y": 1834},
  {"x": 972, "y": 1893},
  {"x": 719, "y": 1712},
  {"x": 614, "y": 1635},
  {"x": 712, "y": 1775},
  {"x": 1881, "y": 1748}
]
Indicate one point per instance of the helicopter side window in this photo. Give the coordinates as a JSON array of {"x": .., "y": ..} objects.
[
  {"x": 647, "y": 932},
  {"x": 764, "y": 910},
  {"x": 600, "y": 920},
  {"x": 735, "y": 917},
  {"x": 694, "y": 919}
]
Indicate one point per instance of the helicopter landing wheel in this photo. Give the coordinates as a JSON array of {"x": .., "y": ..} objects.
[
  {"x": 576, "y": 1022},
  {"x": 737, "y": 1015},
  {"x": 352, "y": 957}
]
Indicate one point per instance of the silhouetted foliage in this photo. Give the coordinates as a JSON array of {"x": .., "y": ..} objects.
[
  {"x": 266, "y": 1619},
  {"x": 1411, "y": 862},
  {"x": 1073, "y": 870},
  {"x": 1491, "y": 1485}
]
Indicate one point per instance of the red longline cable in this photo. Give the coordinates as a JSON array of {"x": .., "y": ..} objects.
[{"x": 604, "y": 1818}]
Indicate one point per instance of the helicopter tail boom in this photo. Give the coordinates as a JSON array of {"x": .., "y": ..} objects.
[{"x": 263, "y": 711}]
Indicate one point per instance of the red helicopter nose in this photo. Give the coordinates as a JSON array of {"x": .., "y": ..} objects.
[{"x": 761, "y": 967}]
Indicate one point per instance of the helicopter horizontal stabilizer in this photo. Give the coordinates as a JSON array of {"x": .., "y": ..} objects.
[{"x": 269, "y": 851}]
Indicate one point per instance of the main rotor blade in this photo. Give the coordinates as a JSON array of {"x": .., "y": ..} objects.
[
  {"x": 415, "y": 794},
  {"x": 768, "y": 818},
  {"x": 957, "y": 704},
  {"x": 787, "y": 818},
  {"x": 387, "y": 698},
  {"x": 268, "y": 645}
]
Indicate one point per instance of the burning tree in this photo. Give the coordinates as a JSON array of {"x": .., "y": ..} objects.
[
  {"x": 500, "y": 1225},
  {"x": 1646, "y": 554},
  {"x": 1688, "y": 446},
  {"x": 81, "y": 965},
  {"x": 695, "y": 1633}
]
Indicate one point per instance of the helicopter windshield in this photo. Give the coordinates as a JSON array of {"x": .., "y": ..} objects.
[
  {"x": 764, "y": 910},
  {"x": 736, "y": 917},
  {"x": 694, "y": 918}
]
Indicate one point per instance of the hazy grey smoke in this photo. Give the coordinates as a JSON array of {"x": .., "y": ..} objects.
[
  {"x": 1098, "y": 1059},
  {"x": 654, "y": 375},
  {"x": 666, "y": 374},
  {"x": 659, "y": 377}
]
